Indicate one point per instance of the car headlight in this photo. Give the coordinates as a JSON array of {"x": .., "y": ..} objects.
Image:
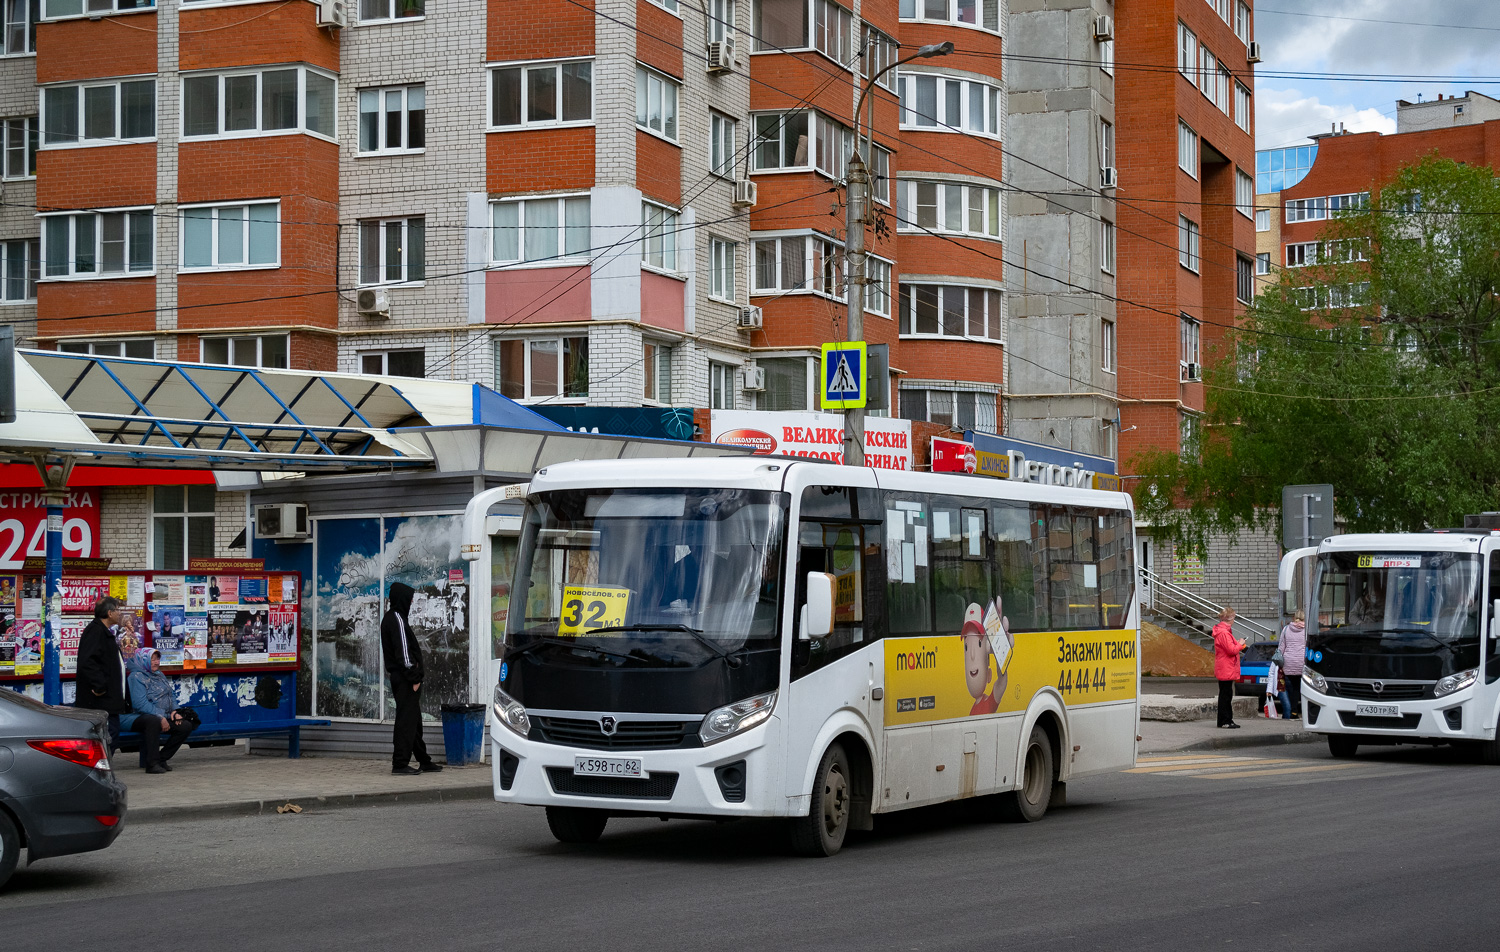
[
  {"x": 734, "y": 718},
  {"x": 1455, "y": 682},
  {"x": 511, "y": 713},
  {"x": 1314, "y": 680}
]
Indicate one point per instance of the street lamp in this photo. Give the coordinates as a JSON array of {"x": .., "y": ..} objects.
[{"x": 854, "y": 244}]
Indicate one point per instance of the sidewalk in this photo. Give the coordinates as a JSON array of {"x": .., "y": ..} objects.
[
  {"x": 1255, "y": 731},
  {"x": 225, "y": 781}
]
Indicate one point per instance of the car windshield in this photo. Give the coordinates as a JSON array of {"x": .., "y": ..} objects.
[
  {"x": 1422, "y": 597},
  {"x": 649, "y": 577}
]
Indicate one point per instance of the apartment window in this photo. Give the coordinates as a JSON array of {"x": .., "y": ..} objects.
[
  {"x": 656, "y": 102},
  {"x": 1107, "y": 347},
  {"x": 984, "y": 14},
  {"x": 545, "y": 94},
  {"x": 22, "y": 259},
  {"x": 722, "y": 258},
  {"x": 392, "y": 250},
  {"x": 290, "y": 99},
  {"x": 879, "y": 51},
  {"x": 230, "y": 236},
  {"x": 1107, "y": 55},
  {"x": 781, "y": 141},
  {"x": 138, "y": 349},
  {"x": 938, "y": 310},
  {"x": 788, "y": 382},
  {"x": 1341, "y": 204},
  {"x": 834, "y": 143},
  {"x": 99, "y": 244},
  {"x": 377, "y": 11},
  {"x": 1301, "y": 254},
  {"x": 1190, "y": 338},
  {"x": 722, "y": 133},
  {"x": 799, "y": 263},
  {"x": 1244, "y": 193},
  {"x": 877, "y": 286},
  {"x": 1242, "y": 21},
  {"x": 1187, "y": 52},
  {"x": 99, "y": 112},
  {"x": 1187, "y": 243},
  {"x": 393, "y": 119},
  {"x": 59, "y": 9},
  {"x": 1244, "y": 284},
  {"x": 20, "y": 26},
  {"x": 20, "y": 147},
  {"x": 959, "y": 409},
  {"x": 1107, "y": 246},
  {"x": 656, "y": 361},
  {"x": 1263, "y": 263},
  {"x": 1106, "y": 144},
  {"x": 943, "y": 104},
  {"x": 543, "y": 230},
  {"x": 833, "y": 31},
  {"x": 659, "y": 244},
  {"x": 720, "y": 386},
  {"x": 1187, "y": 432},
  {"x": 182, "y": 525},
  {"x": 1306, "y": 209},
  {"x": 1242, "y": 105},
  {"x": 948, "y": 207},
  {"x": 1222, "y": 90},
  {"x": 1187, "y": 149},
  {"x": 1262, "y": 219},
  {"x": 720, "y": 20},
  {"x": 268, "y": 351},
  {"x": 542, "y": 368},
  {"x": 1208, "y": 73},
  {"x": 394, "y": 363}
]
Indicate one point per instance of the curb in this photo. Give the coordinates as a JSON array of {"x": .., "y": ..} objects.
[
  {"x": 1252, "y": 740},
  {"x": 242, "y": 808}
]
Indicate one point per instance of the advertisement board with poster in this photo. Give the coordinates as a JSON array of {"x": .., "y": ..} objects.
[
  {"x": 813, "y": 435},
  {"x": 195, "y": 627},
  {"x": 23, "y": 526}
]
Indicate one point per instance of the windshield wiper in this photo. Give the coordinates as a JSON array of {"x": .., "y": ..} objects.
[
  {"x": 566, "y": 643},
  {"x": 1419, "y": 631},
  {"x": 701, "y": 638}
]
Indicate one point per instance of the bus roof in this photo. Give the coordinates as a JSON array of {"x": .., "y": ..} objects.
[{"x": 1406, "y": 542}]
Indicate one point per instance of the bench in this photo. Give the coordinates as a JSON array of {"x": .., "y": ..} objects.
[{"x": 210, "y": 730}]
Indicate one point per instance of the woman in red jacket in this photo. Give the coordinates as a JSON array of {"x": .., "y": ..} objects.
[{"x": 1227, "y": 650}]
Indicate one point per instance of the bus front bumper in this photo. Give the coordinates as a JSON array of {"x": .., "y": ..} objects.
[
  {"x": 1453, "y": 717},
  {"x": 694, "y": 781}
]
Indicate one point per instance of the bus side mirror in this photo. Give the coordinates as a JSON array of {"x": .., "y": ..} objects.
[{"x": 817, "y": 617}]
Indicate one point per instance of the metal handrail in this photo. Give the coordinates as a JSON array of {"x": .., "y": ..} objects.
[{"x": 1200, "y": 608}]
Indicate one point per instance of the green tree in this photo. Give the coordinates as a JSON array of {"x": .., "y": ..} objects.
[{"x": 1375, "y": 368}]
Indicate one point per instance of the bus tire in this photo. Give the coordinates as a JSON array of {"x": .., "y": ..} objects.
[
  {"x": 576, "y": 824},
  {"x": 822, "y": 831},
  {"x": 1029, "y": 804},
  {"x": 1343, "y": 746}
]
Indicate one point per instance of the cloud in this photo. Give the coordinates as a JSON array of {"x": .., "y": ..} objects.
[{"x": 1288, "y": 116}]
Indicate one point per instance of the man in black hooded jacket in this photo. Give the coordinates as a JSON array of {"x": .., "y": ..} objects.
[{"x": 403, "y": 661}]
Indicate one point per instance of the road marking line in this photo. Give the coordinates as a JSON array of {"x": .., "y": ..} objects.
[
  {"x": 1208, "y": 765},
  {"x": 1181, "y": 758},
  {"x": 1283, "y": 770}
]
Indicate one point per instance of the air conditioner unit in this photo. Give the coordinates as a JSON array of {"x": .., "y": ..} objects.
[
  {"x": 721, "y": 56},
  {"x": 1253, "y": 55},
  {"x": 286, "y": 520},
  {"x": 744, "y": 193},
  {"x": 1104, "y": 28},
  {"x": 1192, "y": 371},
  {"x": 373, "y": 302},
  {"x": 332, "y": 13},
  {"x": 751, "y": 318},
  {"x": 753, "y": 378},
  {"x": 1108, "y": 177}
]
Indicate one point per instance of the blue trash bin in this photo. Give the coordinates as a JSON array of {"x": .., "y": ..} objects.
[{"x": 463, "y": 733}]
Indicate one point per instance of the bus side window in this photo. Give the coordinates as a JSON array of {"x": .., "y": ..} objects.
[
  {"x": 839, "y": 533},
  {"x": 959, "y": 578},
  {"x": 1116, "y": 566},
  {"x": 908, "y": 544},
  {"x": 1492, "y": 644},
  {"x": 1019, "y": 565}
]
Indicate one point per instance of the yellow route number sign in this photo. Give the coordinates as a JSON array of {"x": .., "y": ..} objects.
[{"x": 588, "y": 607}]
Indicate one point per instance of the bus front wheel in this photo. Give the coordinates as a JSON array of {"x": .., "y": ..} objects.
[
  {"x": 822, "y": 831},
  {"x": 1343, "y": 746},
  {"x": 576, "y": 825},
  {"x": 1029, "y": 804}
]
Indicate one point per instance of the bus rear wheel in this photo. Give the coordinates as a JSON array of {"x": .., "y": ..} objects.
[
  {"x": 1029, "y": 804},
  {"x": 1343, "y": 746},
  {"x": 576, "y": 825},
  {"x": 822, "y": 831}
]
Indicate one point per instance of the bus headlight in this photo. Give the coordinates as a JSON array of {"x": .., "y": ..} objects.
[
  {"x": 511, "y": 713},
  {"x": 1455, "y": 682},
  {"x": 1314, "y": 680},
  {"x": 736, "y": 718}
]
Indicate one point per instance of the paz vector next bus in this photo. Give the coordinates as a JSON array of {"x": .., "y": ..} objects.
[{"x": 754, "y": 637}]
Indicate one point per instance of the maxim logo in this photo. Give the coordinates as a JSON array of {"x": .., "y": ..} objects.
[{"x": 923, "y": 659}]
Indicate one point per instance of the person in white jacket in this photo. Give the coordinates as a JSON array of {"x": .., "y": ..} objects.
[{"x": 1293, "y": 647}]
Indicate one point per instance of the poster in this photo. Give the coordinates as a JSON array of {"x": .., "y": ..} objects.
[
  {"x": 253, "y": 590},
  {"x": 28, "y": 659},
  {"x": 135, "y": 590},
  {"x": 348, "y": 662},
  {"x": 23, "y": 526},
  {"x": 7, "y": 650},
  {"x": 813, "y": 435},
  {"x": 223, "y": 590},
  {"x": 170, "y": 590},
  {"x": 289, "y": 589},
  {"x": 171, "y": 627},
  {"x": 195, "y": 643},
  {"x": 9, "y": 590},
  {"x": 119, "y": 587},
  {"x": 221, "y": 633},
  {"x": 197, "y": 595},
  {"x": 281, "y": 636},
  {"x": 250, "y": 639},
  {"x": 70, "y": 632},
  {"x": 130, "y": 633},
  {"x": 1187, "y": 568},
  {"x": 33, "y": 589},
  {"x": 422, "y": 552}
]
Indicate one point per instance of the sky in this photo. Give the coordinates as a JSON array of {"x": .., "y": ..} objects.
[{"x": 1340, "y": 39}]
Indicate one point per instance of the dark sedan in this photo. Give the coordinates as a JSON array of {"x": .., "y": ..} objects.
[{"x": 58, "y": 794}]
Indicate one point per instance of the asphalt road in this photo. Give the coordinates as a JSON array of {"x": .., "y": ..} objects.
[{"x": 1267, "y": 848}]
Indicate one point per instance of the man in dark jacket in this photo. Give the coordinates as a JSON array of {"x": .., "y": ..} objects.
[
  {"x": 101, "y": 668},
  {"x": 403, "y": 661}
]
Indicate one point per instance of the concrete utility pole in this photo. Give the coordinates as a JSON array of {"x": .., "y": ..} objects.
[{"x": 857, "y": 175}]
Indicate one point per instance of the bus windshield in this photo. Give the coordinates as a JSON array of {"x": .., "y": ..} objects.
[
  {"x": 648, "y": 577},
  {"x": 1430, "y": 599}
]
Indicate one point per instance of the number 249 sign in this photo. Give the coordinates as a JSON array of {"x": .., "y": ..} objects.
[{"x": 588, "y": 607}]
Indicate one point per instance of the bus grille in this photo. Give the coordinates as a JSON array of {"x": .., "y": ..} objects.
[
  {"x": 628, "y": 735},
  {"x": 658, "y": 786},
  {"x": 1364, "y": 691},
  {"x": 1406, "y": 722}
]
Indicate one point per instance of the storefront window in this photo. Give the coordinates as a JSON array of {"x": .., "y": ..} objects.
[{"x": 182, "y": 525}]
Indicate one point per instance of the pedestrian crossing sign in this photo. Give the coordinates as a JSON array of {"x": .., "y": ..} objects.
[{"x": 844, "y": 375}]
